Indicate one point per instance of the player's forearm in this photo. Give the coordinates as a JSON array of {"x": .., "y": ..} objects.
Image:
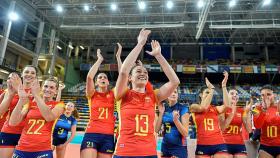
[
  {"x": 4, "y": 106},
  {"x": 93, "y": 70},
  {"x": 183, "y": 130},
  {"x": 168, "y": 70},
  {"x": 225, "y": 97},
  {"x": 206, "y": 103},
  {"x": 17, "y": 116},
  {"x": 158, "y": 123},
  {"x": 44, "y": 109},
  {"x": 119, "y": 62},
  {"x": 130, "y": 60}
]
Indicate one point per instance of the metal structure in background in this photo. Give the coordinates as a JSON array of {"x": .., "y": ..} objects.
[{"x": 248, "y": 22}]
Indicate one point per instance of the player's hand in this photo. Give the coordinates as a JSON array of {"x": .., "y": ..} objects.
[
  {"x": 161, "y": 108},
  {"x": 61, "y": 86},
  {"x": 176, "y": 115},
  {"x": 23, "y": 95},
  {"x": 143, "y": 36},
  {"x": 119, "y": 52},
  {"x": 208, "y": 83},
  {"x": 99, "y": 56},
  {"x": 35, "y": 88},
  {"x": 156, "y": 49},
  {"x": 224, "y": 82},
  {"x": 249, "y": 105}
]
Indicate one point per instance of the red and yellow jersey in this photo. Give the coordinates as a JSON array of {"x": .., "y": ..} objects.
[
  {"x": 207, "y": 127},
  {"x": 233, "y": 134},
  {"x": 3, "y": 119},
  {"x": 18, "y": 128},
  {"x": 136, "y": 124},
  {"x": 269, "y": 123},
  {"x": 37, "y": 132},
  {"x": 101, "y": 107}
]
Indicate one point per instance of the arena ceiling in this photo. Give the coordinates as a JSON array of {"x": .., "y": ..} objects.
[{"x": 249, "y": 21}]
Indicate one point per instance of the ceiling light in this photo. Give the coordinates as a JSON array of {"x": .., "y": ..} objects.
[
  {"x": 141, "y": 5},
  {"x": 13, "y": 16},
  {"x": 58, "y": 47},
  {"x": 113, "y": 6},
  {"x": 169, "y": 4},
  {"x": 82, "y": 47},
  {"x": 86, "y": 8},
  {"x": 59, "y": 8},
  {"x": 266, "y": 2},
  {"x": 232, "y": 3},
  {"x": 200, "y": 4}
]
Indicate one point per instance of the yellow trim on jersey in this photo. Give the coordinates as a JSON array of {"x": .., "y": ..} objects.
[
  {"x": 156, "y": 91},
  {"x": 194, "y": 121},
  {"x": 119, "y": 126}
]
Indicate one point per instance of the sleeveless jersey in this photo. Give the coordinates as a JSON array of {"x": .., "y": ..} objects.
[
  {"x": 171, "y": 135},
  {"x": 101, "y": 107},
  {"x": 269, "y": 123},
  {"x": 233, "y": 134},
  {"x": 37, "y": 132},
  {"x": 136, "y": 124},
  {"x": 207, "y": 127}
]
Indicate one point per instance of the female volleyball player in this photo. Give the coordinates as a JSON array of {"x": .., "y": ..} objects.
[
  {"x": 66, "y": 122},
  {"x": 210, "y": 141},
  {"x": 39, "y": 115},
  {"x": 266, "y": 118},
  {"x": 232, "y": 122},
  {"x": 175, "y": 119},
  {"x": 99, "y": 137},
  {"x": 9, "y": 135},
  {"x": 137, "y": 109}
]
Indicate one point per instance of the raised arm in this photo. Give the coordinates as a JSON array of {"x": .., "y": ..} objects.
[
  {"x": 12, "y": 86},
  {"x": 60, "y": 88},
  {"x": 226, "y": 101},
  {"x": 118, "y": 56},
  {"x": 225, "y": 121},
  {"x": 90, "y": 88},
  {"x": 47, "y": 113},
  {"x": 183, "y": 125},
  {"x": 168, "y": 88},
  {"x": 128, "y": 63},
  {"x": 21, "y": 108},
  {"x": 246, "y": 117},
  {"x": 205, "y": 102},
  {"x": 161, "y": 110}
]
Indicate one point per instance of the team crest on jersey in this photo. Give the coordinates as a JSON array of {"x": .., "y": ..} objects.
[
  {"x": 147, "y": 99},
  {"x": 69, "y": 122},
  {"x": 277, "y": 113},
  {"x": 121, "y": 145},
  {"x": 238, "y": 115},
  {"x": 108, "y": 96}
]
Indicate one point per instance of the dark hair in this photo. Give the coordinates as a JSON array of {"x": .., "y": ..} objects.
[
  {"x": 267, "y": 87},
  {"x": 95, "y": 79},
  {"x": 36, "y": 69},
  {"x": 75, "y": 113},
  {"x": 53, "y": 79},
  {"x": 202, "y": 89}
]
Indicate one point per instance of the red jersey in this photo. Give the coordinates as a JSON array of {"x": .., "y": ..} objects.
[
  {"x": 4, "y": 116},
  {"x": 136, "y": 124},
  {"x": 101, "y": 107},
  {"x": 207, "y": 127},
  {"x": 37, "y": 132},
  {"x": 269, "y": 123},
  {"x": 233, "y": 134},
  {"x": 13, "y": 129}
]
